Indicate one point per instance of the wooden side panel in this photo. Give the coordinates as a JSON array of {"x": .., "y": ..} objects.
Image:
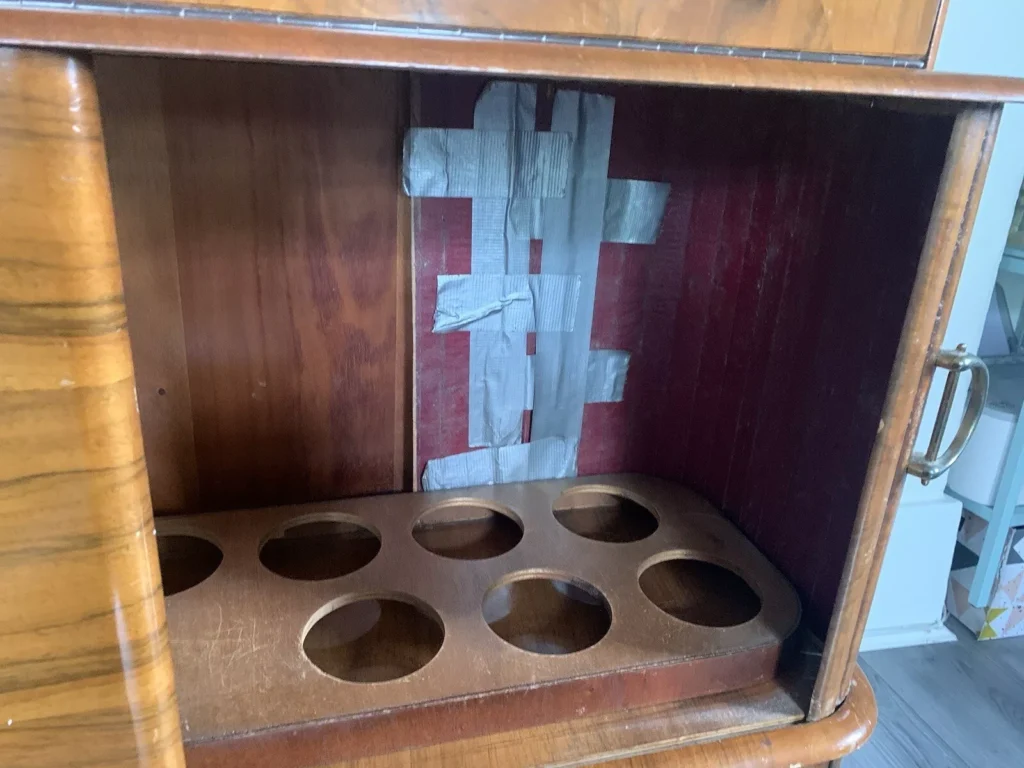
[
  {"x": 952, "y": 220},
  {"x": 282, "y": 184},
  {"x": 85, "y": 669},
  {"x": 840, "y": 26},
  {"x": 141, "y": 186}
]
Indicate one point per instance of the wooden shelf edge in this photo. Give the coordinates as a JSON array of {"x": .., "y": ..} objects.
[
  {"x": 101, "y": 30},
  {"x": 830, "y": 738}
]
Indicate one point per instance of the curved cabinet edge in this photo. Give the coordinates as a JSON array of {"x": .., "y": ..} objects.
[
  {"x": 84, "y": 658},
  {"x": 809, "y": 743}
]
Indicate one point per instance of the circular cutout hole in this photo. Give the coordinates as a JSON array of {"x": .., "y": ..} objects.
[
  {"x": 324, "y": 548},
  {"x": 547, "y": 615},
  {"x": 185, "y": 561},
  {"x": 603, "y": 515},
  {"x": 700, "y": 592},
  {"x": 372, "y": 640},
  {"x": 467, "y": 530}
]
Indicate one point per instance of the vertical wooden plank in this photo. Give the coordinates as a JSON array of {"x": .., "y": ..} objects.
[
  {"x": 284, "y": 187},
  {"x": 84, "y": 660},
  {"x": 403, "y": 419},
  {"x": 133, "y": 123},
  {"x": 935, "y": 286}
]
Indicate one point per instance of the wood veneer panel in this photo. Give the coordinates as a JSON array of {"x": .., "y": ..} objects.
[
  {"x": 840, "y": 26},
  {"x": 827, "y": 740},
  {"x": 935, "y": 284},
  {"x": 610, "y": 738},
  {"x": 84, "y": 660},
  {"x": 283, "y": 186},
  {"x": 92, "y": 29},
  {"x": 130, "y": 101}
]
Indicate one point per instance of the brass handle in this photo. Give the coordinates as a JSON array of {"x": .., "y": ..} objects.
[{"x": 929, "y": 465}]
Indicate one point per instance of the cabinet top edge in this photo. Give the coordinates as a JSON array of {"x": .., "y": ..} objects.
[{"x": 206, "y": 32}]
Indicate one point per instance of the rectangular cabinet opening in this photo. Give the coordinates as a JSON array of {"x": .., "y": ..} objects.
[{"x": 474, "y": 404}]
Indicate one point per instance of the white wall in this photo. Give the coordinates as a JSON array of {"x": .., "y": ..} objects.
[{"x": 980, "y": 37}]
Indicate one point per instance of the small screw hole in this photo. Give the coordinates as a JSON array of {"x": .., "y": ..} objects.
[{"x": 161, "y": 391}]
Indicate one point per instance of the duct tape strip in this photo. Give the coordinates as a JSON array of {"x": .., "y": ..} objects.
[
  {"x": 633, "y": 211},
  {"x": 497, "y": 359},
  {"x": 524, "y": 303},
  {"x": 537, "y": 460},
  {"x": 606, "y": 377},
  {"x": 573, "y": 229},
  {"x": 451, "y": 162}
]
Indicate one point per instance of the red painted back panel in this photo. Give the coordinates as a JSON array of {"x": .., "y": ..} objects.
[{"x": 763, "y": 324}]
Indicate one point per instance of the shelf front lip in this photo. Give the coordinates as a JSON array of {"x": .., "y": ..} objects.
[
  {"x": 831, "y": 738},
  {"x": 110, "y": 28}
]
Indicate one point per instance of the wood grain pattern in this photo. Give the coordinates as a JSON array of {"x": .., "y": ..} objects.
[
  {"x": 938, "y": 275},
  {"x": 175, "y": 36},
  {"x": 274, "y": 204},
  {"x": 847, "y": 26},
  {"x": 827, "y": 740},
  {"x": 141, "y": 185},
  {"x": 267, "y": 695},
  {"x": 84, "y": 659},
  {"x": 663, "y": 736}
]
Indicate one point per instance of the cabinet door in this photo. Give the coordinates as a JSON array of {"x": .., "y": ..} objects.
[{"x": 901, "y": 29}]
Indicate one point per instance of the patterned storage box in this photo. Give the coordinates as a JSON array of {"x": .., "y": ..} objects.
[{"x": 1003, "y": 614}]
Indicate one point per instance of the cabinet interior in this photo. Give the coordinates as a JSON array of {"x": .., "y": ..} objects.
[{"x": 268, "y": 256}]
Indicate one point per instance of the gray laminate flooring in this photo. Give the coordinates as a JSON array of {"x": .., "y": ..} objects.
[{"x": 953, "y": 704}]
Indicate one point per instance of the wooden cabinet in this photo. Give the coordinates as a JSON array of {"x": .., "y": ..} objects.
[
  {"x": 244, "y": 222},
  {"x": 899, "y": 30}
]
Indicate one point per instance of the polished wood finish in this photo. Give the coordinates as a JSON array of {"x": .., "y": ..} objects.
[
  {"x": 676, "y": 735},
  {"x": 140, "y": 177},
  {"x": 835, "y": 26},
  {"x": 828, "y": 26},
  {"x": 266, "y": 271},
  {"x": 616, "y": 736},
  {"x": 174, "y": 36},
  {"x": 952, "y": 219},
  {"x": 517, "y": 650},
  {"x": 84, "y": 656},
  {"x": 830, "y": 739},
  {"x": 259, "y": 312}
]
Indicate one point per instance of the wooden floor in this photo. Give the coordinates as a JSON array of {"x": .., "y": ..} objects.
[{"x": 954, "y": 704}]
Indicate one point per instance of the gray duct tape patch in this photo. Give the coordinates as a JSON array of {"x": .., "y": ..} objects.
[
  {"x": 633, "y": 211},
  {"x": 530, "y": 185},
  {"x": 606, "y": 377},
  {"x": 573, "y": 228},
  {"x": 506, "y": 303},
  {"x": 497, "y": 359},
  {"x": 537, "y": 460},
  {"x": 474, "y": 163}
]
